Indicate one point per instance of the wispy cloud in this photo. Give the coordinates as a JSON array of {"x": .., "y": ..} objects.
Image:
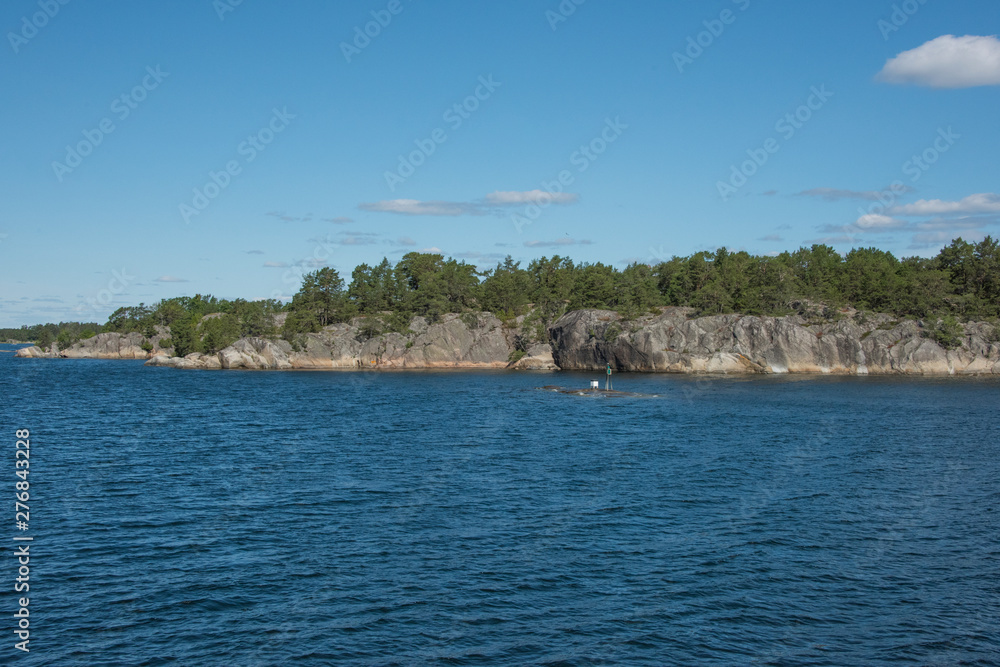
[
  {"x": 275, "y": 265},
  {"x": 255, "y": 252},
  {"x": 947, "y": 62},
  {"x": 416, "y": 207},
  {"x": 564, "y": 241},
  {"x": 834, "y": 240},
  {"x": 170, "y": 279},
  {"x": 530, "y": 197},
  {"x": 836, "y": 194},
  {"x": 771, "y": 238},
  {"x": 480, "y": 257},
  {"x": 491, "y": 202},
  {"x": 281, "y": 215},
  {"x": 876, "y": 221},
  {"x": 357, "y": 240},
  {"x": 405, "y": 241},
  {"x": 340, "y": 220}
]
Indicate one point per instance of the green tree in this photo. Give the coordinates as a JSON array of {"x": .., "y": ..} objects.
[
  {"x": 594, "y": 286},
  {"x": 321, "y": 295},
  {"x": 637, "y": 291},
  {"x": 65, "y": 338},
  {"x": 218, "y": 332},
  {"x": 504, "y": 290},
  {"x": 44, "y": 339},
  {"x": 182, "y": 333},
  {"x": 947, "y": 332},
  {"x": 552, "y": 282}
]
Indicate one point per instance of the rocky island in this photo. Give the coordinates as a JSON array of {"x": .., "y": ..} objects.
[{"x": 671, "y": 341}]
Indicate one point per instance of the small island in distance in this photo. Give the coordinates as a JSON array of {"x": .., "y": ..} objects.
[{"x": 811, "y": 310}]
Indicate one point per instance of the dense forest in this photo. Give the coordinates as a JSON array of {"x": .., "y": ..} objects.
[{"x": 961, "y": 283}]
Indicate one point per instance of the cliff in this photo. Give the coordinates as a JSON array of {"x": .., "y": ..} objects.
[
  {"x": 101, "y": 346},
  {"x": 671, "y": 341},
  {"x": 467, "y": 341}
]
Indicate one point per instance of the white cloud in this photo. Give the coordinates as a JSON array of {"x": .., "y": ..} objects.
[
  {"x": 415, "y": 207},
  {"x": 275, "y": 265},
  {"x": 877, "y": 221},
  {"x": 478, "y": 207},
  {"x": 499, "y": 198},
  {"x": 169, "y": 279},
  {"x": 947, "y": 62},
  {"x": 986, "y": 202},
  {"x": 357, "y": 240}
]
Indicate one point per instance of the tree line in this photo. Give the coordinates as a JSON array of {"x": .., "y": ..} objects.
[{"x": 961, "y": 282}]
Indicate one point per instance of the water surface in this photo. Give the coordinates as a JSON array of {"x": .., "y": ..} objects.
[{"x": 459, "y": 518}]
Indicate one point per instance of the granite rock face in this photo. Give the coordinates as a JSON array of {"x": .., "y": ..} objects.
[
  {"x": 536, "y": 358},
  {"x": 671, "y": 342},
  {"x": 468, "y": 341},
  {"x": 102, "y": 346}
]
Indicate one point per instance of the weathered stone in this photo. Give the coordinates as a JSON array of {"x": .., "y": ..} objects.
[{"x": 587, "y": 340}]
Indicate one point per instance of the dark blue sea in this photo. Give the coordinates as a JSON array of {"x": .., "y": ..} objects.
[{"x": 470, "y": 518}]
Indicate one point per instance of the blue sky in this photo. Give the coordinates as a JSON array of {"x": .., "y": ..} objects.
[{"x": 158, "y": 149}]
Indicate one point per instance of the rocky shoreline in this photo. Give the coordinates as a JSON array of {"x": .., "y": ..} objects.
[{"x": 670, "y": 342}]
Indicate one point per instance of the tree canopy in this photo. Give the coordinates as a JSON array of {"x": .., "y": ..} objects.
[{"x": 961, "y": 282}]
